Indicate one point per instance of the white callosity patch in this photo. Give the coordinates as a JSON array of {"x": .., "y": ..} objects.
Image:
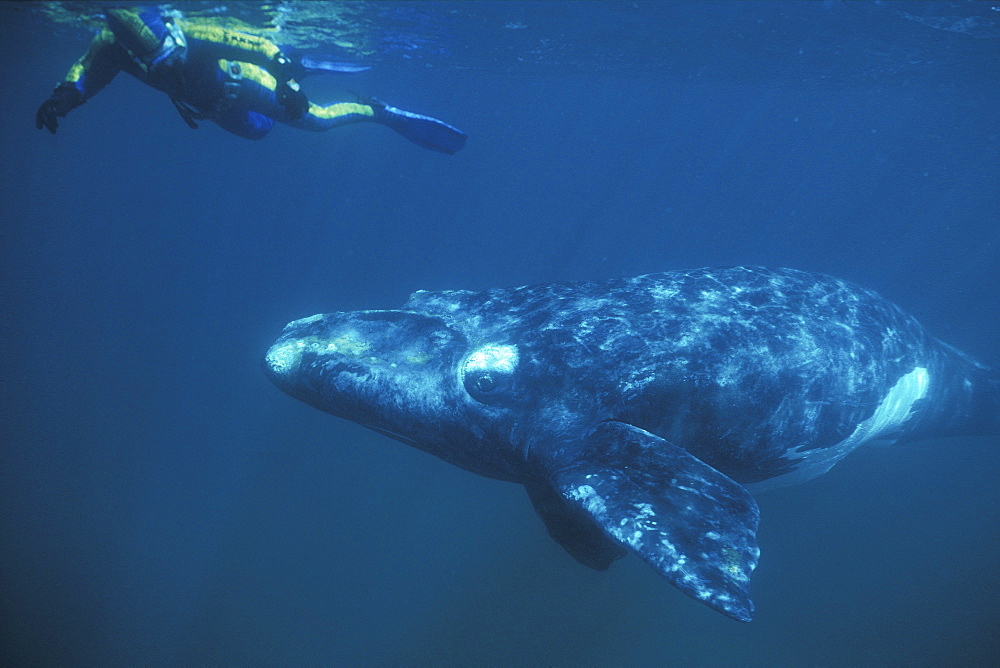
[
  {"x": 284, "y": 358},
  {"x": 488, "y": 372},
  {"x": 500, "y": 358}
]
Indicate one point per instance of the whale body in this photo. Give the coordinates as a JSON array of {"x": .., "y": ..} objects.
[{"x": 641, "y": 413}]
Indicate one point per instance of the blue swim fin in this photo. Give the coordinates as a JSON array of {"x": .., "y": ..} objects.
[
  {"x": 312, "y": 65},
  {"x": 694, "y": 525},
  {"x": 421, "y": 130},
  {"x": 302, "y": 65}
]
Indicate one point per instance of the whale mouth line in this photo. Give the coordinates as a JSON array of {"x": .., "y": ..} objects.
[{"x": 391, "y": 434}]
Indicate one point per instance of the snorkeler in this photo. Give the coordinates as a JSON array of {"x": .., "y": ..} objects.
[{"x": 241, "y": 82}]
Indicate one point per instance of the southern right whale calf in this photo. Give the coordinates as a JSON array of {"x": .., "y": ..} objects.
[{"x": 640, "y": 413}]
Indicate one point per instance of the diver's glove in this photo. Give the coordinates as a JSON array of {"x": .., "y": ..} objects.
[
  {"x": 291, "y": 97},
  {"x": 282, "y": 67},
  {"x": 65, "y": 98}
]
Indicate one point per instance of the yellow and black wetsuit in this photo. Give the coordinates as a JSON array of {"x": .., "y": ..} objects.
[{"x": 241, "y": 82}]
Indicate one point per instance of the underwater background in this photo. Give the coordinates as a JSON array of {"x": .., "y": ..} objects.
[{"x": 162, "y": 503}]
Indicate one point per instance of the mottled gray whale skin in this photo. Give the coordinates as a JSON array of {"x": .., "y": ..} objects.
[{"x": 637, "y": 412}]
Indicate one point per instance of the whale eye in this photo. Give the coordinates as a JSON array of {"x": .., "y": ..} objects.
[
  {"x": 489, "y": 371},
  {"x": 483, "y": 383}
]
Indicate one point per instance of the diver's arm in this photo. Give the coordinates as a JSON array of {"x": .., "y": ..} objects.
[
  {"x": 96, "y": 68},
  {"x": 88, "y": 75}
]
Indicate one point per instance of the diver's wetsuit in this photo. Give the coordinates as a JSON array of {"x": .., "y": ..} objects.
[{"x": 226, "y": 76}]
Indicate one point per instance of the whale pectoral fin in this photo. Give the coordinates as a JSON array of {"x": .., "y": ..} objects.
[
  {"x": 690, "y": 522},
  {"x": 574, "y": 528}
]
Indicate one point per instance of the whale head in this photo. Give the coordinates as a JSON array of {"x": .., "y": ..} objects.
[{"x": 407, "y": 375}]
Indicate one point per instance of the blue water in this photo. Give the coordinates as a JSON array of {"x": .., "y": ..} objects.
[{"x": 164, "y": 504}]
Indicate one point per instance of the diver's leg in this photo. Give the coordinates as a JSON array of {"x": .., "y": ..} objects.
[
  {"x": 256, "y": 92},
  {"x": 421, "y": 130}
]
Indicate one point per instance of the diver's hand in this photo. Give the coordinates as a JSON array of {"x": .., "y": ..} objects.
[
  {"x": 291, "y": 97},
  {"x": 64, "y": 98},
  {"x": 45, "y": 117}
]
